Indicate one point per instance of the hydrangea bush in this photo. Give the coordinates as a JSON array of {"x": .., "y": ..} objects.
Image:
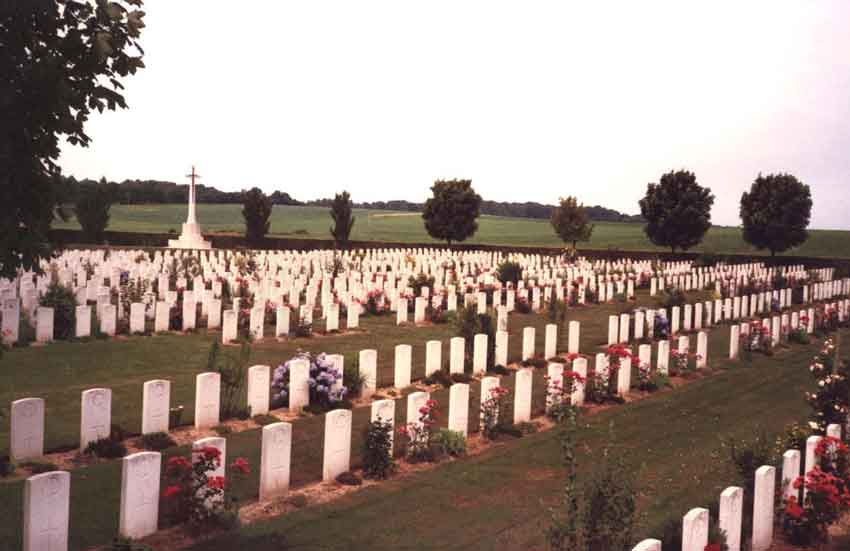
[{"x": 326, "y": 392}]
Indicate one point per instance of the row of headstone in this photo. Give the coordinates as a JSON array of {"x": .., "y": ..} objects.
[{"x": 695, "y": 524}]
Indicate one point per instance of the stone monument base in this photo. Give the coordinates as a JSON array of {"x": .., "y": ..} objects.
[{"x": 190, "y": 238}]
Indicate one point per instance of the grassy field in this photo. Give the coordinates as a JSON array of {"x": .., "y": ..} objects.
[
  {"x": 314, "y": 222},
  {"x": 460, "y": 505}
]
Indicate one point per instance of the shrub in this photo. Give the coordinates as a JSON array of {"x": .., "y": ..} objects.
[
  {"x": 672, "y": 296},
  {"x": 494, "y": 412},
  {"x": 233, "y": 373},
  {"x": 175, "y": 416},
  {"x": 121, "y": 543},
  {"x": 417, "y": 437},
  {"x": 39, "y": 467},
  {"x": 348, "y": 478},
  {"x": 450, "y": 442},
  {"x": 830, "y": 402},
  {"x": 324, "y": 394},
  {"x": 264, "y": 419},
  {"x": 106, "y": 448},
  {"x": 222, "y": 430},
  {"x": 376, "y": 303},
  {"x": 439, "y": 377},
  {"x": 191, "y": 495},
  {"x": 509, "y": 272},
  {"x": 352, "y": 379},
  {"x": 6, "y": 466},
  {"x": 556, "y": 311},
  {"x": 157, "y": 441},
  {"x": 64, "y": 305},
  {"x": 419, "y": 282},
  {"x": 468, "y": 323},
  {"x": 747, "y": 456},
  {"x": 378, "y": 461}
]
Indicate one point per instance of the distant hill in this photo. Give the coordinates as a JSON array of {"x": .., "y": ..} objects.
[{"x": 133, "y": 192}]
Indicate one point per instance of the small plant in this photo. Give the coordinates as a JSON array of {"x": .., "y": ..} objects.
[
  {"x": 325, "y": 394},
  {"x": 419, "y": 282},
  {"x": 6, "y": 466},
  {"x": 348, "y": 478},
  {"x": 157, "y": 441},
  {"x": 450, "y": 442},
  {"x": 193, "y": 496},
  {"x": 493, "y": 412},
  {"x": 233, "y": 373},
  {"x": 64, "y": 305},
  {"x": 264, "y": 419},
  {"x": 39, "y": 467},
  {"x": 222, "y": 429},
  {"x": 509, "y": 272},
  {"x": 121, "y": 543},
  {"x": 827, "y": 495},
  {"x": 175, "y": 416},
  {"x": 418, "y": 436},
  {"x": 378, "y": 461},
  {"x": 106, "y": 448},
  {"x": 556, "y": 311}
]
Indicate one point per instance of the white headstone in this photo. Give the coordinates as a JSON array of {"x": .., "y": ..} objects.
[
  {"x": 96, "y": 415},
  {"x": 337, "y": 454},
  {"x": 368, "y": 369},
  {"x": 259, "y": 389},
  {"x": 139, "y": 509},
  {"x": 47, "y": 501},
  {"x": 156, "y": 403},
  {"x": 763, "y": 508},
  {"x": 433, "y": 357},
  {"x": 207, "y": 400},
  {"x": 27, "y": 436},
  {"x": 522, "y": 395},
  {"x": 403, "y": 360},
  {"x": 459, "y": 408},
  {"x": 299, "y": 385},
  {"x": 275, "y": 460}
]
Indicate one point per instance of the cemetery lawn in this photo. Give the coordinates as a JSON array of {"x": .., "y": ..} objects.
[
  {"x": 496, "y": 500},
  {"x": 500, "y": 499},
  {"x": 407, "y": 227}
]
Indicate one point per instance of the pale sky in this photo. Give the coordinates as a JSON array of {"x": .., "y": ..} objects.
[{"x": 531, "y": 100}]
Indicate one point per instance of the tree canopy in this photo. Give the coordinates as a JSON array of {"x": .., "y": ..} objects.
[
  {"x": 677, "y": 210},
  {"x": 256, "y": 210},
  {"x": 343, "y": 220},
  {"x": 60, "y": 62},
  {"x": 451, "y": 213},
  {"x": 571, "y": 222},
  {"x": 776, "y": 212}
]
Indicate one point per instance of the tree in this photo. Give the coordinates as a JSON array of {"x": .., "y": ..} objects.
[
  {"x": 61, "y": 61},
  {"x": 677, "y": 211},
  {"x": 776, "y": 212},
  {"x": 343, "y": 220},
  {"x": 92, "y": 210},
  {"x": 256, "y": 210},
  {"x": 571, "y": 222},
  {"x": 452, "y": 212}
]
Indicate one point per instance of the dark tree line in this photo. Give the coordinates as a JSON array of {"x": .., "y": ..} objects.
[{"x": 135, "y": 192}]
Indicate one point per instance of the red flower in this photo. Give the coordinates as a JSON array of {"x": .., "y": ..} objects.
[
  {"x": 793, "y": 509},
  {"x": 178, "y": 464},
  {"x": 210, "y": 452},
  {"x": 241, "y": 464},
  {"x": 171, "y": 491},
  {"x": 216, "y": 482},
  {"x": 713, "y": 547}
]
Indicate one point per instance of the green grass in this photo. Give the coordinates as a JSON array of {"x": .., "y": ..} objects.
[
  {"x": 372, "y": 225},
  {"x": 684, "y": 433},
  {"x": 500, "y": 500}
]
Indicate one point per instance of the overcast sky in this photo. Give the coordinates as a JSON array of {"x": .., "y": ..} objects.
[{"x": 531, "y": 100}]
